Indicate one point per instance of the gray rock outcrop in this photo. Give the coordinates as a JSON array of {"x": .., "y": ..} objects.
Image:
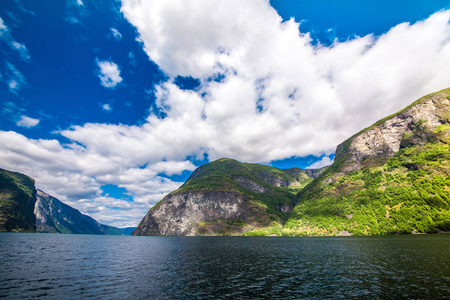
[{"x": 375, "y": 145}]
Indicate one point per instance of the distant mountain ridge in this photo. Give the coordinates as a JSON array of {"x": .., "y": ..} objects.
[
  {"x": 25, "y": 209},
  {"x": 53, "y": 216}
]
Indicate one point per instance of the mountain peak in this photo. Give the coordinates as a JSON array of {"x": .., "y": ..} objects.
[
  {"x": 414, "y": 124},
  {"x": 225, "y": 197}
]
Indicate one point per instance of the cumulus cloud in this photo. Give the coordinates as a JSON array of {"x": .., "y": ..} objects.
[
  {"x": 109, "y": 73},
  {"x": 282, "y": 96},
  {"x": 266, "y": 93},
  {"x": 115, "y": 34},
  {"x": 27, "y": 122},
  {"x": 74, "y": 174}
]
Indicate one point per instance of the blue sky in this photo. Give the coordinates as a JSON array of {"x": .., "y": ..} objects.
[{"x": 110, "y": 105}]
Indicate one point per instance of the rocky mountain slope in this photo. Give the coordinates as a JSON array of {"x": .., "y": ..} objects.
[
  {"x": 393, "y": 177},
  {"x": 53, "y": 216},
  {"x": 17, "y": 197},
  {"x": 25, "y": 209},
  {"x": 226, "y": 197}
]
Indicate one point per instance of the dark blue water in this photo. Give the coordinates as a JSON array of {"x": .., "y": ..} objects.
[{"x": 124, "y": 267}]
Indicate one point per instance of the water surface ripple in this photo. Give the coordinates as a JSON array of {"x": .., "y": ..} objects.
[{"x": 52, "y": 266}]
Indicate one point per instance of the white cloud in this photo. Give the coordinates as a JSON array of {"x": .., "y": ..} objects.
[
  {"x": 13, "y": 78},
  {"x": 3, "y": 28},
  {"x": 280, "y": 97},
  {"x": 116, "y": 34},
  {"x": 6, "y": 37},
  {"x": 23, "y": 51},
  {"x": 325, "y": 161},
  {"x": 106, "y": 107},
  {"x": 109, "y": 74},
  {"x": 74, "y": 174},
  {"x": 27, "y": 122}
]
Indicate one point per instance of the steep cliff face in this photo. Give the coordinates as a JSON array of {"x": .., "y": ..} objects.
[
  {"x": 17, "y": 198},
  {"x": 53, "y": 216},
  {"x": 183, "y": 213},
  {"x": 392, "y": 177},
  {"x": 224, "y": 197},
  {"x": 413, "y": 125},
  {"x": 25, "y": 209}
]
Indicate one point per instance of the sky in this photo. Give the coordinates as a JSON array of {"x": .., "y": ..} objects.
[{"x": 110, "y": 105}]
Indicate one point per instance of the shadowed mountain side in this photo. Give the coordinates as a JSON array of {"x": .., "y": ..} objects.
[{"x": 17, "y": 198}]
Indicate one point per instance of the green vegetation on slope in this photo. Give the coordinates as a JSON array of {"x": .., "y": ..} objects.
[
  {"x": 17, "y": 198},
  {"x": 276, "y": 188},
  {"x": 409, "y": 192}
]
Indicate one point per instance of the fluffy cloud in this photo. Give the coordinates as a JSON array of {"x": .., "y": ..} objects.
[
  {"x": 75, "y": 175},
  {"x": 27, "y": 122},
  {"x": 266, "y": 93},
  {"x": 109, "y": 74},
  {"x": 325, "y": 161},
  {"x": 281, "y": 95}
]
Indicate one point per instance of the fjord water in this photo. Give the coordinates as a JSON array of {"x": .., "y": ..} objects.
[{"x": 125, "y": 267}]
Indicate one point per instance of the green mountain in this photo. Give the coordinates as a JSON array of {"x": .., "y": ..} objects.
[
  {"x": 226, "y": 197},
  {"x": 393, "y": 177},
  {"x": 17, "y": 198},
  {"x": 25, "y": 209}
]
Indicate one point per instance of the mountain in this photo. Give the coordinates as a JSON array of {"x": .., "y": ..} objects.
[
  {"x": 53, "y": 216},
  {"x": 393, "y": 177},
  {"x": 25, "y": 209},
  {"x": 128, "y": 230},
  {"x": 17, "y": 198},
  {"x": 226, "y": 197}
]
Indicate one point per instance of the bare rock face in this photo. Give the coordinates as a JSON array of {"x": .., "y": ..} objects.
[
  {"x": 224, "y": 197},
  {"x": 275, "y": 181},
  {"x": 178, "y": 213},
  {"x": 376, "y": 145},
  {"x": 249, "y": 184}
]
